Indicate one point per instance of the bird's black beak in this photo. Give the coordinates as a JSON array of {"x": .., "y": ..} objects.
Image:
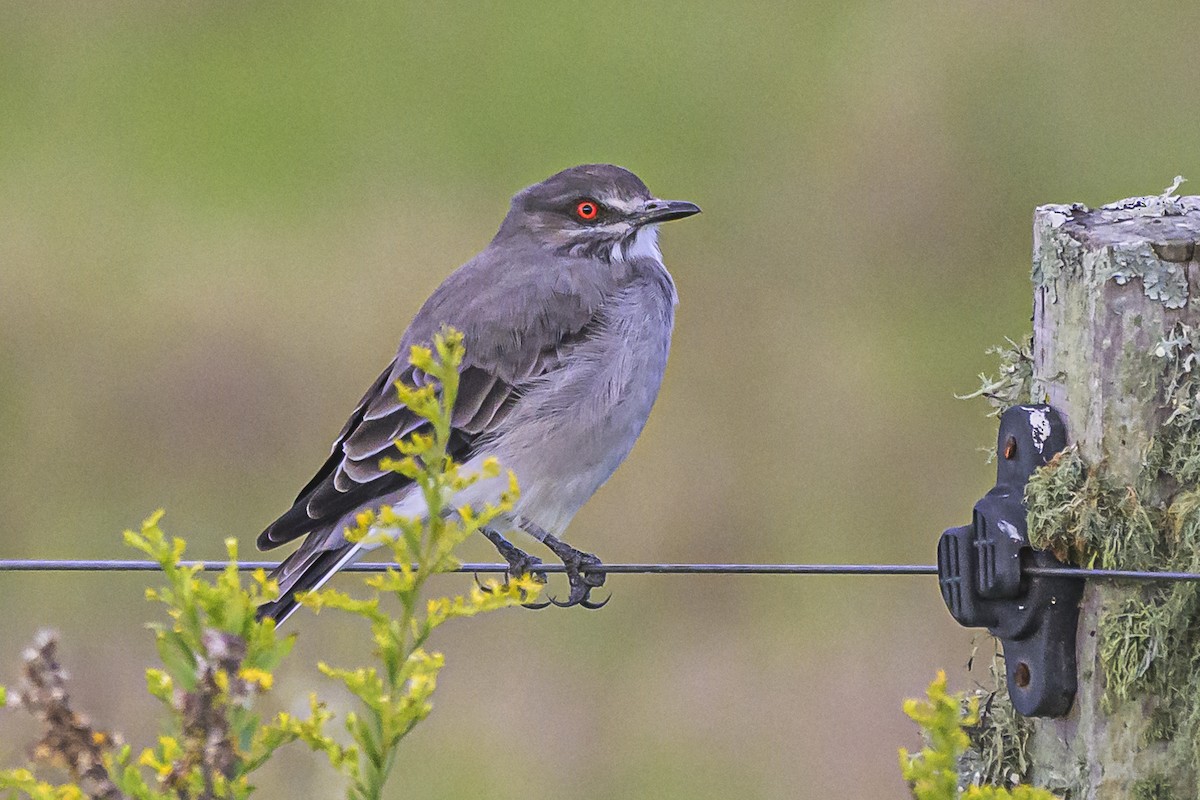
[{"x": 655, "y": 211}]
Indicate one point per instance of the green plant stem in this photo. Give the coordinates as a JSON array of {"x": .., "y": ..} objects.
[{"x": 398, "y": 697}]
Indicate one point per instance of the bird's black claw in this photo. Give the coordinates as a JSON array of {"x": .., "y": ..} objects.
[
  {"x": 581, "y": 582},
  {"x": 583, "y": 601},
  {"x": 592, "y": 605},
  {"x": 581, "y": 568},
  {"x": 538, "y": 606}
]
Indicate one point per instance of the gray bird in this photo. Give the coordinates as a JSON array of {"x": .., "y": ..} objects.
[{"x": 567, "y": 318}]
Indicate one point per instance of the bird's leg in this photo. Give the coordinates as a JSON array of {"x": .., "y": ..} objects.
[
  {"x": 519, "y": 562},
  {"x": 582, "y": 582}
]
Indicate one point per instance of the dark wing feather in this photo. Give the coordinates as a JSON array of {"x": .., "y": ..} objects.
[
  {"x": 309, "y": 569},
  {"x": 351, "y": 477}
]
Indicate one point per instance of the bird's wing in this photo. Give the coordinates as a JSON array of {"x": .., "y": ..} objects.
[
  {"x": 351, "y": 477},
  {"x": 509, "y": 340}
]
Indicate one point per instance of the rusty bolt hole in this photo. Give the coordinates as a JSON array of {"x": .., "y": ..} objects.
[
  {"x": 1010, "y": 448},
  {"x": 1021, "y": 674}
]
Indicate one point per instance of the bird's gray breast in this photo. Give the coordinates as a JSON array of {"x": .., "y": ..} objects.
[{"x": 574, "y": 426}]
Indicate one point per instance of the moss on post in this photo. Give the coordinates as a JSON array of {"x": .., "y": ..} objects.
[{"x": 1116, "y": 348}]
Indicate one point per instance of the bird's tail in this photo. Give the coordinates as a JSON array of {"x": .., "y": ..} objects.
[{"x": 304, "y": 571}]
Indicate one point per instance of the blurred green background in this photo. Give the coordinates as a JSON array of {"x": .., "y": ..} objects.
[{"x": 217, "y": 218}]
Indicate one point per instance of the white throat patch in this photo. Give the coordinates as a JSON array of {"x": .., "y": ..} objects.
[{"x": 643, "y": 244}]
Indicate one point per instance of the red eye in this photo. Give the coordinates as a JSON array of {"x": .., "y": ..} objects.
[{"x": 587, "y": 209}]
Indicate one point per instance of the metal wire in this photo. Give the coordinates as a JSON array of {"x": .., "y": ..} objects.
[{"x": 117, "y": 565}]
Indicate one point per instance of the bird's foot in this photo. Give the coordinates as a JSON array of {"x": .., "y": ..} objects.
[
  {"x": 525, "y": 564},
  {"x": 582, "y": 580},
  {"x": 519, "y": 562}
]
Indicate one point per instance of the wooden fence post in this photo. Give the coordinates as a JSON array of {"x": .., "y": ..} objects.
[{"x": 1111, "y": 284}]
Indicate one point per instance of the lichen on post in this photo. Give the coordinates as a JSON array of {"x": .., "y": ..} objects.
[{"x": 1116, "y": 349}]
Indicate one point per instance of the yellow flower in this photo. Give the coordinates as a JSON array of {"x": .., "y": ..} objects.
[{"x": 259, "y": 677}]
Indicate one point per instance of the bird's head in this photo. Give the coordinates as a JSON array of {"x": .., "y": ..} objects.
[{"x": 594, "y": 210}]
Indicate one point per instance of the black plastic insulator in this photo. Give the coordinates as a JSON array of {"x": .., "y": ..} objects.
[{"x": 982, "y": 577}]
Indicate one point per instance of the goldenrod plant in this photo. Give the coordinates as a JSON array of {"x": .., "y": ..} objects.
[
  {"x": 397, "y": 697},
  {"x": 933, "y": 774},
  {"x": 218, "y": 659}
]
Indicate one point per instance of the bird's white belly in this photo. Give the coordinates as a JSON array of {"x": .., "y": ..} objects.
[
  {"x": 578, "y": 426},
  {"x": 578, "y": 462}
]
